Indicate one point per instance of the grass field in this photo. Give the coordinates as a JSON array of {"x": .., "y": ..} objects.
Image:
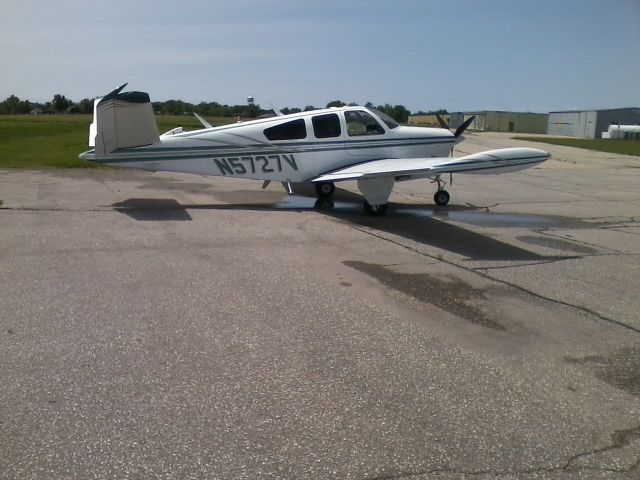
[
  {"x": 623, "y": 147},
  {"x": 54, "y": 141}
]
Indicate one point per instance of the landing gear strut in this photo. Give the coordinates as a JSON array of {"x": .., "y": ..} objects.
[
  {"x": 325, "y": 191},
  {"x": 441, "y": 197}
]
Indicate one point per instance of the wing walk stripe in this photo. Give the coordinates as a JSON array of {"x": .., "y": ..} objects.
[
  {"x": 503, "y": 164},
  {"x": 494, "y": 160}
]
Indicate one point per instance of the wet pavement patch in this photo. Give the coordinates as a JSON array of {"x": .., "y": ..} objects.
[
  {"x": 498, "y": 219},
  {"x": 446, "y": 292},
  {"x": 620, "y": 369},
  {"x": 557, "y": 243},
  {"x": 166, "y": 184},
  {"x": 240, "y": 197}
]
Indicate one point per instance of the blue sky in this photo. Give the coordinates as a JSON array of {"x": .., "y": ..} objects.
[{"x": 465, "y": 55}]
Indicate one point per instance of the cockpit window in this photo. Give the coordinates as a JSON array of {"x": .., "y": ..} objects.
[
  {"x": 326, "y": 126},
  {"x": 360, "y": 122},
  {"x": 389, "y": 122},
  {"x": 294, "y": 130}
]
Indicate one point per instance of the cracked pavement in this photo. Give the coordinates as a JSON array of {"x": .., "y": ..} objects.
[{"x": 176, "y": 326}]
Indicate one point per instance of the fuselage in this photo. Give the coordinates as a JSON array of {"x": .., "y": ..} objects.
[{"x": 288, "y": 148}]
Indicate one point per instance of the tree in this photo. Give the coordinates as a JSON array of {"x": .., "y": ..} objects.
[
  {"x": 60, "y": 103},
  {"x": 398, "y": 112},
  {"x": 287, "y": 110},
  {"x": 308, "y": 108},
  {"x": 85, "y": 106},
  {"x": 442, "y": 111},
  {"x": 13, "y": 105},
  {"x": 336, "y": 103},
  {"x": 252, "y": 110}
]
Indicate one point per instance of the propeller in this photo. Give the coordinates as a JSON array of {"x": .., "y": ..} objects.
[
  {"x": 460, "y": 130},
  {"x": 204, "y": 123},
  {"x": 442, "y": 123}
]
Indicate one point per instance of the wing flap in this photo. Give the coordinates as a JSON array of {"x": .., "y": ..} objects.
[{"x": 491, "y": 161}]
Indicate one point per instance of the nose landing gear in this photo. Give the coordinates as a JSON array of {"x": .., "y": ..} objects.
[{"x": 441, "y": 197}]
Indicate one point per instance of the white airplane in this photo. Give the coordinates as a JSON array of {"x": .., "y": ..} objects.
[{"x": 319, "y": 146}]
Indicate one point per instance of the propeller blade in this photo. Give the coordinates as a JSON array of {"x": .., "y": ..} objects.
[
  {"x": 442, "y": 123},
  {"x": 460, "y": 130},
  {"x": 204, "y": 123}
]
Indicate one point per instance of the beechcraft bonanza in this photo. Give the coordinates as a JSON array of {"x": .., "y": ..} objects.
[{"x": 319, "y": 146}]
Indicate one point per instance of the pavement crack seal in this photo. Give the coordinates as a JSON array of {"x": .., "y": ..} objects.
[
  {"x": 518, "y": 265},
  {"x": 503, "y": 282},
  {"x": 447, "y": 293},
  {"x": 619, "y": 439},
  {"x": 57, "y": 209}
]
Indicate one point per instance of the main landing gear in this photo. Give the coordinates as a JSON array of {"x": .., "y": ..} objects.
[
  {"x": 441, "y": 197},
  {"x": 375, "y": 190},
  {"x": 325, "y": 191}
]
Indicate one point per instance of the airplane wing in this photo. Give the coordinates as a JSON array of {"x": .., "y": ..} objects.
[{"x": 492, "y": 161}]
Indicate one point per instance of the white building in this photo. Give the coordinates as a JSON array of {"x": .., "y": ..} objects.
[{"x": 590, "y": 123}]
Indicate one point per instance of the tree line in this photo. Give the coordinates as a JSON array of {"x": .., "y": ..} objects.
[{"x": 61, "y": 104}]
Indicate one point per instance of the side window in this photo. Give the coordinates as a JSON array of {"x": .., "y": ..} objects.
[
  {"x": 326, "y": 126},
  {"x": 294, "y": 130},
  {"x": 361, "y": 123}
]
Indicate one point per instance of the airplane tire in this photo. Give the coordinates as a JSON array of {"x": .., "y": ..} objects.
[
  {"x": 441, "y": 197},
  {"x": 325, "y": 189},
  {"x": 323, "y": 204},
  {"x": 374, "y": 210}
]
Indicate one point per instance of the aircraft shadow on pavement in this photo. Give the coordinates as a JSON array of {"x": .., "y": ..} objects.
[
  {"x": 427, "y": 225},
  {"x": 419, "y": 223},
  {"x": 152, "y": 209}
]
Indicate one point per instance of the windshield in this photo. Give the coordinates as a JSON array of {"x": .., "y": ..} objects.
[{"x": 390, "y": 122}]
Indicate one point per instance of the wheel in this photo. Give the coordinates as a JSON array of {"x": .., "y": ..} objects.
[
  {"x": 323, "y": 204},
  {"x": 441, "y": 197},
  {"x": 325, "y": 189},
  {"x": 375, "y": 210}
]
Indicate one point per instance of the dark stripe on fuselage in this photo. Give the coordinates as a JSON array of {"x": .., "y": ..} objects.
[
  {"x": 375, "y": 143},
  {"x": 150, "y": 154}
]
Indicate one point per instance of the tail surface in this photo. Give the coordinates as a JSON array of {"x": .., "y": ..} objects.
[{"x": 122, "y": 120}]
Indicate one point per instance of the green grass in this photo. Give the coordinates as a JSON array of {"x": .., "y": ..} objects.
[
  {"x": 54, "y": 141},
  {"x": 623, "y": 147}
]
